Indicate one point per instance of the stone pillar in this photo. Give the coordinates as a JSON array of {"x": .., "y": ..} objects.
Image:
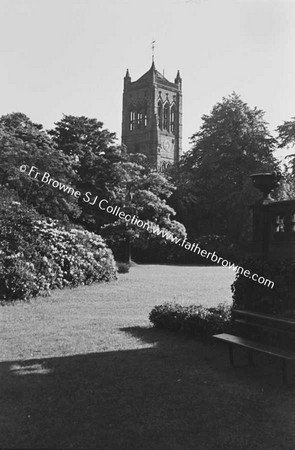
[{"x": 273, "y": 221}]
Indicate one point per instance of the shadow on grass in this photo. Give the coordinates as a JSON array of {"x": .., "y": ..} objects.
[
  {"x": 152, "y": 335},
  {"x": 178, "y": 394}
]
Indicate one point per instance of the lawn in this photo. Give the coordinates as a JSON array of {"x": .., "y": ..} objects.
[{"x": 83, "y": 369}]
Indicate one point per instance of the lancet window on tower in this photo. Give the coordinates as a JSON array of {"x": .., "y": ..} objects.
[
  {"x": 145, "y": 118},
  {"x": 160, "y": 114},
  {"x": 166, "y": 117},
  {"x": 139, "y": 120},
  {"x": 132, "y": 118},
  {"x": 172, "y": 119}
]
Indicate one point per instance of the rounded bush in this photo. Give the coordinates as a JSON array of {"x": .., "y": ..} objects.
[
  {"x": 192, "y": 319},
  {"x": 37, "y": 254},
  {"x": 123, "y": 267}
]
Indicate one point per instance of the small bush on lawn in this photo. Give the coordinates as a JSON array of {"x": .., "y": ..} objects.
[
  {"x": 37, "y": 254},
  {"x": 193, "y": 319},
  {"x": 168, "y": 315},
  {"x": 123, "y": 267}
]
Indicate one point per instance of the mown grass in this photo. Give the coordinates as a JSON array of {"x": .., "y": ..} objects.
[
  {"x": 89, "y": 318},
  {"x": 83, "y": 369}
]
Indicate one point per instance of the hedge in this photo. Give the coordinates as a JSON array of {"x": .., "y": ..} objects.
[
  {"x": 250, "y": 295},
  {"x": 193, "y": 319}
]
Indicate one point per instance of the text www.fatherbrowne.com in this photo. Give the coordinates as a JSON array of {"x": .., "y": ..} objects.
[
  {"x": 147, "y": 225},
  {"x": 154, "y": 228}
]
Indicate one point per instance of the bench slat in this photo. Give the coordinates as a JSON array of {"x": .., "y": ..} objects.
[
  {"x": 260, "y": 347},
  {"x": 265, "y": 327},
  {"x": 264, "y": 316}
]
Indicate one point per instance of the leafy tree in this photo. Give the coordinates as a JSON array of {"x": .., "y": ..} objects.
[
  {"x": 143, "y": 195},
  {"x": 213, "y": 185},
  {"x": 287, "y": 132},
  {"x": 95, "y": 160},
  {"x": 286, "y": 136},
  {"x": 107, "y": 171},
  {"x": 23, "y": 142},
  {"x": 75, "y": 135},
  {"x": 79, "y": 152}
]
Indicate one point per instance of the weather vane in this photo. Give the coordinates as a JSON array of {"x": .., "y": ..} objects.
[{"x": 153, "y": 50}]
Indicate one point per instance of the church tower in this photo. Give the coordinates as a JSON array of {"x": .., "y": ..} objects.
[{"x": 152, "y": 117}]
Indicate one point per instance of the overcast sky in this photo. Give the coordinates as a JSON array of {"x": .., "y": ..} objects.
[{"x": 70, "y": 56}]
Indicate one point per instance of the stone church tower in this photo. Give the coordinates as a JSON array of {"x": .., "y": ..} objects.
[{"x": 152, "y": 117}]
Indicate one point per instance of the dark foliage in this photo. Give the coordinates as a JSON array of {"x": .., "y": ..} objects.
[
  {"x": 23, "y": 142},
  {"x": 123, "y": 267},
  {"x": 193, "y": 319},
  {"x": 250, "y": 295},
  {"x": 171, "y": 253},
  {"x": 213, "y": 186}
]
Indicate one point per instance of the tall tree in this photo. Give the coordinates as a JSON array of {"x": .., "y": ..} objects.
[
  {"x": 107, "y": 171},
  {"x": 143, "y": 196},
  {"x": 286, "y": 136},
  {"x": 287, "y": 132},
  {"x": 96, "y": 162},
  {"x": 232, "y": 143},
  {"x": 77, "y": 134},
  {"x": 94, "y": 158},
  {"x": 23, "y": 142}
]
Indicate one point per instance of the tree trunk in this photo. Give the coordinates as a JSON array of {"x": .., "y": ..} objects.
[{"x": 128, "y": 251}]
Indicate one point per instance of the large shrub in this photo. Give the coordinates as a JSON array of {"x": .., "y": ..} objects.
[
  {"x": 192, "y": 319},
  {"x": 37, "y": 254},
  {"x": 250, "y": 295}
]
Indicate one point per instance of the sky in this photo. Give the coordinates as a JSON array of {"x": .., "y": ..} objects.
[{"x": 70, "y": 56}]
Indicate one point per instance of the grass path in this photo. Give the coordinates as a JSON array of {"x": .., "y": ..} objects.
[{"x": 82, "y": 369}]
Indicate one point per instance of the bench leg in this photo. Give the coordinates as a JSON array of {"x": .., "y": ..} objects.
[
  {"x": 250, "y": 358},
  {"x": 231, "y": 354},
  {"x": 284, "y": 368}
]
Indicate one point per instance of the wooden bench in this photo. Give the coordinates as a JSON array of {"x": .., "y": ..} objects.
[{"x": 280, "y": 329}]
